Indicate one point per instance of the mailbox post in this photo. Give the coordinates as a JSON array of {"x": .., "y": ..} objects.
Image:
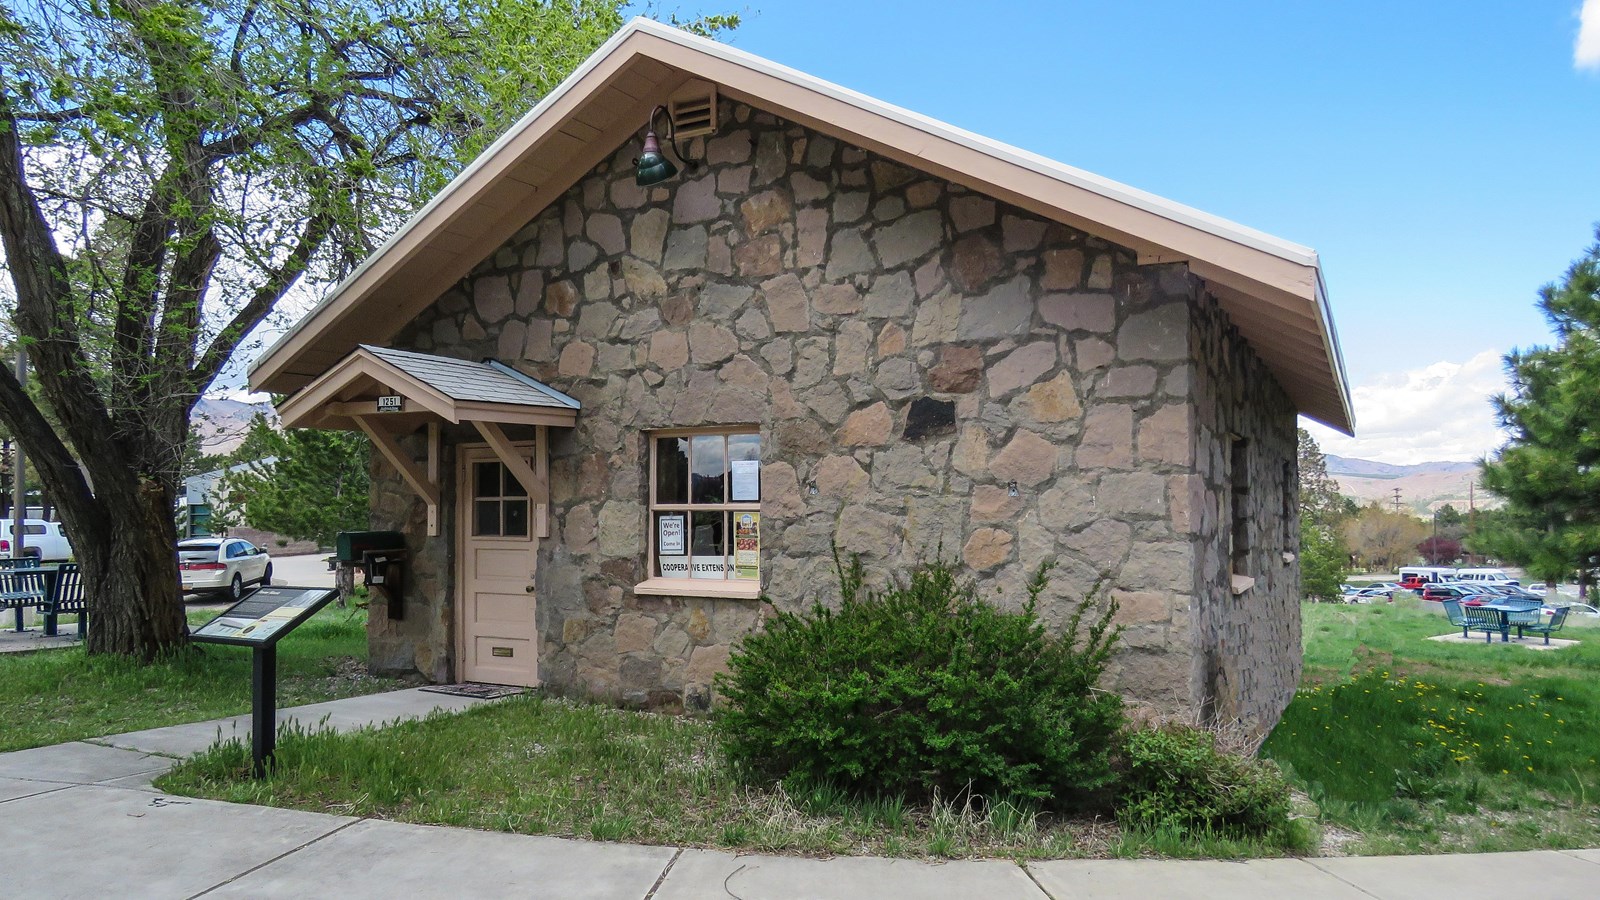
[{"x": 259, "y": 621}]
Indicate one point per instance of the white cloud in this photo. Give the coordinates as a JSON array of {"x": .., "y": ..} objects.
[
  {"x": 1586, "y": 53},
  {"x": 1435, "y": 413}
]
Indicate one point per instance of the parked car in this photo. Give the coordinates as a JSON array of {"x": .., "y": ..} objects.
[
  {"x": 1441, "y": 592},
  {"x": 1573, "y": 609},
  {"x": 222, "y": 566},
  {"x": 40, "y": 539}
]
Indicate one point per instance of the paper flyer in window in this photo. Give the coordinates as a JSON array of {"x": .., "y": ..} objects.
[
  {"x": 746, "y": 481},
  {"x": 747, "y": 545},
  {"x": 670, "y": 531}
]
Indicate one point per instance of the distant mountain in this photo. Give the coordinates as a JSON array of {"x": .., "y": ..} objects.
[
  {"x": 1424, "y": 487},
  {"x": 1366, "y": 468},
  {"x": 221, "y": 424}
]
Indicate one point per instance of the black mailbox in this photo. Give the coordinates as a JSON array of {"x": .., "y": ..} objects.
[
  {"x": 350, "y": 545},
  {"x": 381, "y": 556}
]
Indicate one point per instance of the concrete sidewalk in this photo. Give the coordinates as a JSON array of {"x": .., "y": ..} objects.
[{"x": 95, "y": 826}]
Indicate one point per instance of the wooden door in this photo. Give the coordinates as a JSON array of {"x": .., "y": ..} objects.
[{"x": 498, "y": 559}]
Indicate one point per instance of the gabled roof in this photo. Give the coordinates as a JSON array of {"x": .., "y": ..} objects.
[
  {"x": 432, "y": 387},
  {"x": 1272, "y": 290}
]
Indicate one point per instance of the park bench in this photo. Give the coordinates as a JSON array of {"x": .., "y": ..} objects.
[
  {"x": 22, "y": 586},
  {"x": 1547, "y": 628},
  {"x": 1488, "y": 621},
  {"x": 66, "y": 596}
]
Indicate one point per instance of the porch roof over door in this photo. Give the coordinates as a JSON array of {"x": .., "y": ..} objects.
[{"x": 430, "y": 388}]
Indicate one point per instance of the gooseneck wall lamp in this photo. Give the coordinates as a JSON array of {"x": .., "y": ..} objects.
[{"x": 652, "y": 167}]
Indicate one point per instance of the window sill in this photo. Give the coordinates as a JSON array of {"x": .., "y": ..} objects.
[
  {"x": 1242, "y": 583},
  {"x": 701, "y": 587}
]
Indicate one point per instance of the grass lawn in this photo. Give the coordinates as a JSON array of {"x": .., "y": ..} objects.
[
  {"x": 1405, "y": 745},
  {"x": 1415, "y": 746},
  {"x": 537, "y": 765},
  {"x": 54, "y": 696}
]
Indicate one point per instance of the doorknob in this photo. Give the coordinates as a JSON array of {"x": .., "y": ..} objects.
[{"x": 528, "y": 589}]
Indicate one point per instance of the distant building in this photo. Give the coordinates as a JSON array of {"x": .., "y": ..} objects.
[{"x": 196, "y": 502}]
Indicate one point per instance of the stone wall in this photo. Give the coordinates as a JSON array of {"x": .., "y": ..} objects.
[
  {"x": 422, "y": 639},
  {"x": 931, "y": 371},
  {"x": 1248, "y": 643}
]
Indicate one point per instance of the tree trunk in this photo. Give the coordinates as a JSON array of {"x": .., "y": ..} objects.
[{"x": 131, "y": 578}]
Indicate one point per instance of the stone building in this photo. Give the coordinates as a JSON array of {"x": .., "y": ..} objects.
[{"x": 620, "y": 424}]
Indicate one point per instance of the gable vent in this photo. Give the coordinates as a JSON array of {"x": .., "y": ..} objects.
[{"x": 693, "y": 108}]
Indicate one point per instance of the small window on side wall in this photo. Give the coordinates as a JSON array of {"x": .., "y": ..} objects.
[
  {"x": 705, "y": 509},
  {"x": 1239, "y": 476}
]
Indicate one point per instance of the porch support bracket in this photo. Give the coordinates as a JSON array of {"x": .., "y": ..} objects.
[{"x": 425, "y": 487}]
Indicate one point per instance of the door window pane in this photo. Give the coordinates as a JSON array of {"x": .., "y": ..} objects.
[
  {"x": 516, "y": 512},
  {"x": 486, "y": 479},
  {"x": 672, "y": 470},
  {"x": 486, "y": 517},
  {"x": 710, "y": 469}
]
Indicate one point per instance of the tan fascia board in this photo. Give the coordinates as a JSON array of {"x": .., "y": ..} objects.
[
  {"x": 305, "y": 404},
  {"x": 456, "y": 197},
  {"x": 1347, "y": 422},
  {"x": 514, "y": 414}
]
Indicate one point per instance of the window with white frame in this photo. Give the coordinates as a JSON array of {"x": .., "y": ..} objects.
[{"x": 705, "y": 507}]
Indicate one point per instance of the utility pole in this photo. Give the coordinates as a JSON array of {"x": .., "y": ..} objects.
[{"x": 1396, "y": 499}]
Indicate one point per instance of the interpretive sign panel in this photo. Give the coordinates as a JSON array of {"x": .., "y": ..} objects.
[
  {"x": 264, "y": 616},
  {"x": 259, "y": 621}
]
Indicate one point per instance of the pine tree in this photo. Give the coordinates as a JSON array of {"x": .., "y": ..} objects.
[{"x": 1549, "y": 470}]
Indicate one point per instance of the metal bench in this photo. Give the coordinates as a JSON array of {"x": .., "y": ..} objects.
[
  {"x": 1488, "y": 621},
  {"x": 1547, "y": 628},
  {"x": 22, "y": 586},
  {"x": 66, "y": 596}
]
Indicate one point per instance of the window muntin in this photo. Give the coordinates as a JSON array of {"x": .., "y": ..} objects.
[
  {"x": 499, "y": 501},
  {"x": 705, "y": 507}
]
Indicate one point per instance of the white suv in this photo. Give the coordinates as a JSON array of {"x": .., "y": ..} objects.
[
  {"x": 222, "y": 566},
  {"x": 40, "y": 539}
]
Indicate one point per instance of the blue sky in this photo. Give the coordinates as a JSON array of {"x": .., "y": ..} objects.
[{"x": 1444, "y": 158}]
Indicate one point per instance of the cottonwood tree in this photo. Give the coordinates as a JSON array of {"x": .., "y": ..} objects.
[
  {"x": 169, "y": 170},
  {"x": 1383, "y": 538},
  {"x": 1549, "y": 470}
]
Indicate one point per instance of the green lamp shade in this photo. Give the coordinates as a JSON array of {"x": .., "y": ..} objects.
[{"x": 652, "y": 167}]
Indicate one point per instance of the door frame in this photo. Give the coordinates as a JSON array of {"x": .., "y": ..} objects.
[{"x": 466, "y": 455}]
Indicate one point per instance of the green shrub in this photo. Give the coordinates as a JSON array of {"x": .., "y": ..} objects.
[
  {"x": 925, "y": 689},
  {"x": 1176, "y": 779}
]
